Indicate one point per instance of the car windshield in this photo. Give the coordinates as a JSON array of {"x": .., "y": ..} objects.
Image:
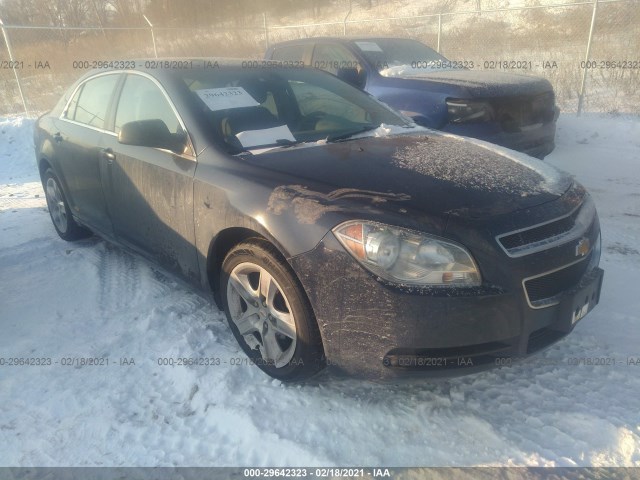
[
  {"x": 257, "y": 108},
  {"x": 398, "y": 56}
]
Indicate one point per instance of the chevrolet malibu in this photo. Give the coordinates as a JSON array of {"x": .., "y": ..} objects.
[{"x": 332, "y": 231}]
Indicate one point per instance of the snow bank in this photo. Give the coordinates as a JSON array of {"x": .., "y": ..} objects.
[{"x": 16, "y": 149}]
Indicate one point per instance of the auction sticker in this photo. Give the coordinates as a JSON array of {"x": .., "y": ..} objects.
[
  {"x": 226, "y": 97},
  {"x": 266, "y": 136}
]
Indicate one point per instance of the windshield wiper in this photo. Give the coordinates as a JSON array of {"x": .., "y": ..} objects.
[
  {"x": 343, "y": 136},
  {"x": 279, "y": 143},
  {"x": 285, "y": 142}
]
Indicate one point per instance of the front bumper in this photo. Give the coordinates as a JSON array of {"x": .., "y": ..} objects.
[
  {"x": 558, "y": 321},
  {"x": 376, "y": 330},
  {"x": 537, "y": 142}
]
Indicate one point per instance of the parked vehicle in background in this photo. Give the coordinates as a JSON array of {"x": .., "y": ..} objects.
[
  {"x": 512, "y": 110},
  {"x": 330, "y": 229}
]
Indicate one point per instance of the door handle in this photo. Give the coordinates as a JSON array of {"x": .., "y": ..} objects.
[
  {"x": 57, "y": 137},
  {"x": 108, "y": 154}
]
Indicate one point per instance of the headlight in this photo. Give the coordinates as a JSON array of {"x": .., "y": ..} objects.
[
  {"x": 595, "y": 254},
  {"x": 406, "y": 257},
  {"x": 469, "y": 111}
]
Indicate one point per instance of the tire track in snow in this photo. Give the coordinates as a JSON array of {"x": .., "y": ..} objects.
[
  {"x": 17, "y": 196},
  {"x": 119, "y": 274}
]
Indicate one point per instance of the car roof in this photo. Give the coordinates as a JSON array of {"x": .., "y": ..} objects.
[
  {"x": 343, "y": 40},
  {"x": 163, "y": 66}
]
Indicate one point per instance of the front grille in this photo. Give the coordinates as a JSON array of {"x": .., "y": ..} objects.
[
  {"x": 541, "y": 290},
  {"x": 545, "y": 236},
  {"x": 516, "y": 112},
  {"x": 537, "y": 234}
]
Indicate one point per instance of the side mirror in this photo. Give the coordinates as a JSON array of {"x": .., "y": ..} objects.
[
  {"x": 151, "y": 133},
  {"x": 352, "y": 76}
]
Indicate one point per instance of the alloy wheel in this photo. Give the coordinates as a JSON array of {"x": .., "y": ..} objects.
[
  {"x": 261, "y": 312},
  {"x": 57, "y": 208}
]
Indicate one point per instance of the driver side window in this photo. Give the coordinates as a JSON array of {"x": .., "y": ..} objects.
[{"x": 141, "y": 99}]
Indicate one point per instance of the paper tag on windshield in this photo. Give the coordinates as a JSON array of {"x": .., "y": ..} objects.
[
  {"x": 368, "y": 46},
  {"x": 227, "y": 97},
  {"x": 267, "y": 136}
]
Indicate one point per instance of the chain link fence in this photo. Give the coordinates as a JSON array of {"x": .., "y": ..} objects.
[{"x": 588, "y": 50}]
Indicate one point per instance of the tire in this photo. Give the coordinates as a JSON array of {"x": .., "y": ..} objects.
[
  {"x": 59, "y": 209},
  {"x": 263, "y": 299}
]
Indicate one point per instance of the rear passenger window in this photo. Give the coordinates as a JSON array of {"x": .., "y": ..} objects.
[
  {"x": 70, "y": 112},
  {"x": 289, "y": 53},
  {"x": 93, "y": 101},
  {"x": 141, "y": 99}
]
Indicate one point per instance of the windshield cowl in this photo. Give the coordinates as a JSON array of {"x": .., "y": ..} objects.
[{"x": 379, "y": 131}]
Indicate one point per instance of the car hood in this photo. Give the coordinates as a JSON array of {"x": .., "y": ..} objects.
[
  {"x": 435, "y": 173},
  {"x": 480, "y": 83}
]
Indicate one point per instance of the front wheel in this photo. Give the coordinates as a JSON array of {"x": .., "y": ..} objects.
[
  {"x": 269, "y": 313},
  {"x": 59, "y": 209}
]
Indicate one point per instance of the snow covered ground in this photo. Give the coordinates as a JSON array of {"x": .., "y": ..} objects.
[{"x": 90, "y": 299}]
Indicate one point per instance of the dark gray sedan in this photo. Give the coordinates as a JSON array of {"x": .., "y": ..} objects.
[{"x": 332, "y": 230}]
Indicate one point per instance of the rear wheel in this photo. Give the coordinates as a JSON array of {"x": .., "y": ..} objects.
[
  {"x": 269, "y": 313},
  {"x": 59, "y": 210}
]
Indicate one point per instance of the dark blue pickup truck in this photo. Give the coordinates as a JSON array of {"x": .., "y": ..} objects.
[{"x": 513, "y": 110}]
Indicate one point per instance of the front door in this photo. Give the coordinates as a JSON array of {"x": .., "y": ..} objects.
[{"x": 150, "y": 190}]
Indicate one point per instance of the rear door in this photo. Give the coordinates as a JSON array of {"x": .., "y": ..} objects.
[
  {"x": 150, "y": 190},
  {"x": 79, "y": 132}
]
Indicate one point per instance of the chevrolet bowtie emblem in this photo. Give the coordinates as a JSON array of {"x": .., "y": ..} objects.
[{"x": 583, "y": 247}]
